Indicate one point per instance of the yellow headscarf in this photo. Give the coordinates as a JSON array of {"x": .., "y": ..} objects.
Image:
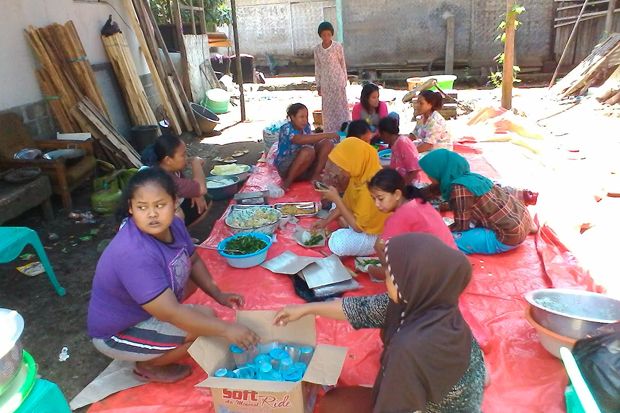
[{"x": 361, "y": 162}]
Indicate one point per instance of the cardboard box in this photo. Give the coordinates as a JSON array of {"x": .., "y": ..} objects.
[{"x": 257, "y": 396}]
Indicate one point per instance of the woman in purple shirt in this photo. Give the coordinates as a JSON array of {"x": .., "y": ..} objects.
[{"x": 135, "y": 311}]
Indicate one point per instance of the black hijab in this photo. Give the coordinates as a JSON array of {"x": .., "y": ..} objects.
[{"x": 427, "y": 343}]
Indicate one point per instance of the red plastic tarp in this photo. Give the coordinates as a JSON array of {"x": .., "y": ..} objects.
[{"x": 524, "y": 377}]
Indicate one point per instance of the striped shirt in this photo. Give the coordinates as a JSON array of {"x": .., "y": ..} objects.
[{"x": 496, "y": 210}]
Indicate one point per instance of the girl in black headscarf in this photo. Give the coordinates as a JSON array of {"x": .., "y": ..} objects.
[{"x": 430, "y": 362}]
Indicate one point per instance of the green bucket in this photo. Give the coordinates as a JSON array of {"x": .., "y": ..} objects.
[
  {"x": 445, "y": 82},
  {"x": 217, "y": 101}
]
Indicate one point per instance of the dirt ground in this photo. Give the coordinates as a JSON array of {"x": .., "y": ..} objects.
[{"x": 53, "y": 322}]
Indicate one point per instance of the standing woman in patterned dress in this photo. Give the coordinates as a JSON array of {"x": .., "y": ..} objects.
[{"x": 330, "y": 72}]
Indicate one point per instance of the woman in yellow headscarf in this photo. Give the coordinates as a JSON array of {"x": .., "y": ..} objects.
[{"x": 350, "y": 166}]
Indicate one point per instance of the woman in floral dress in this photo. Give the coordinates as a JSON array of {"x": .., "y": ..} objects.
[{"x": 330, "y": 72}]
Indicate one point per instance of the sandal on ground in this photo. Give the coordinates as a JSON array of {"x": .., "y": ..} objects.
[{"x": 170, "y": 373}]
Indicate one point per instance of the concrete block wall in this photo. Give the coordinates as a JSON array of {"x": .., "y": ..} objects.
[{"x": 37, "y": 118}]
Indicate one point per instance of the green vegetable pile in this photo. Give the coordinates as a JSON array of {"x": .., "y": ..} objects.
[
  {"x": 314, "y": 240},
  {"x": 371, "y": 261},
  {"x": 243, "y": 245}
]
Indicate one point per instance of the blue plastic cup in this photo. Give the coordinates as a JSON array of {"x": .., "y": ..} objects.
[{"x": 239, "y": 355}]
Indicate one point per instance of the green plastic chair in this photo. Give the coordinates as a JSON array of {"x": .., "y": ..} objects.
[{"x": 12, "y": 242}]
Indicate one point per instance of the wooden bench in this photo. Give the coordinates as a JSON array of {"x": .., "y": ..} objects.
[{"x": 15, "y": 199}]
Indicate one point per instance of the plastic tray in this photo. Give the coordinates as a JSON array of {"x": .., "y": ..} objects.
[{"x": 305, "y": 209}]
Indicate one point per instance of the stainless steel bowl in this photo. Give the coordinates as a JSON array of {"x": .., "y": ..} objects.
[{"x": 572, "y": 313}]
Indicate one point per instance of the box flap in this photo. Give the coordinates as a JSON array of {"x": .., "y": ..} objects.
[
  {"x": 245, "y": 384},
  {"x": 302, "y": 331},
  {"x": 211, "y": 353},
  {"x": 326, "y": 365}
]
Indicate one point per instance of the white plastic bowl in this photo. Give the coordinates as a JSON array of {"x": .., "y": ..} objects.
[{"x": 246, "y": 260}]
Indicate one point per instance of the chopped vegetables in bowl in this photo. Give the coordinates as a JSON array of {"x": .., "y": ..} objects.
[{"x": 245, "y": 250}]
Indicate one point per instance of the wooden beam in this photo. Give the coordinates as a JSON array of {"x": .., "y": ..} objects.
[
  {"x": 509, "y": 56},
  {"x": 192, "y": 8},
  {"x": 609, "y": 19}
]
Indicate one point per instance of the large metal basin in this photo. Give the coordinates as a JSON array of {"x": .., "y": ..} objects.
[{"x": 572, "y": 313}]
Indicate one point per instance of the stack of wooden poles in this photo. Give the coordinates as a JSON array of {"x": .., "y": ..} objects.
[
  {"x": 68, "y": 84},
  {"x": 65, "y": 74},
  {"x": 124, "y": 68}
]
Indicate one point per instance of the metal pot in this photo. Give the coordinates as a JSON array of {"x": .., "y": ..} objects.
[
  {"x": 572, "y": 313},
  {"x": 11, "y": 351}
]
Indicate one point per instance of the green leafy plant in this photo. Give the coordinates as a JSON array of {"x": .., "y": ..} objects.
[
  {"x": 496, "y": 78},
  {"x": 217, "y": 12}
]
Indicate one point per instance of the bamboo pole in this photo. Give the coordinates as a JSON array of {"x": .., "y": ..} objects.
[
  {"x": 117, "y": 50},
  {"x": 175, "y": 77},
  {"x": 169, "y": 112},
  {"x": 509, "y": 56}
]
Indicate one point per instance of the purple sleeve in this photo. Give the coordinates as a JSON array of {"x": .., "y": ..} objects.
[
  {"x": 186, "y": 188},
  {"x": 383, "y": 110},
  {"x": 144, "y": 276}
]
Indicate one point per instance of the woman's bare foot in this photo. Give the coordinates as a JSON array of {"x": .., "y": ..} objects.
[{"x": 170, "y": 373}]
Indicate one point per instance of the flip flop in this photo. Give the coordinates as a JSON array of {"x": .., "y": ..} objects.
[{"x": 170, "y": 373}]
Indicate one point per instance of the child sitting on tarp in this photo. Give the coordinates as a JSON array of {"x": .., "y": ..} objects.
[
  {"x": 430, "y": 131},
  {"x": 301, "y": 154},
  {"x": 351, "y": 165},
  {"x": 148, "y": 269},
  {"x": 170, "y": 154},
  {"x": 487, "y": 218},
  {"x": 405, "y": 155}
]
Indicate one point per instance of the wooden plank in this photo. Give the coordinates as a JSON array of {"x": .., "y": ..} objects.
[
  {"x": 509, "y": 56},
  {"x": 123, "y": 148},
  {"x": 169, "y": 112},
  {"x": 177, "y": 99},
  {"x": 578, "y": 77}
]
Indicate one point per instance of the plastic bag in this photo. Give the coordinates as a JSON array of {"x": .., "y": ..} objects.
[{"x": 598, "y": 358}]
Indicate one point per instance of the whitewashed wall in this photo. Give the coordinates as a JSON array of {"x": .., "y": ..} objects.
[{"x": 17, "y": 62}]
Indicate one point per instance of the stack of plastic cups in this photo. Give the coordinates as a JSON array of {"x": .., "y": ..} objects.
[
  {"x": 225, "y": 373},
  {"x": 277, "y": 355},
  {"x": 266, "y": 372},
  {"x": 305, "y": 354},
  {"x": 293, "y": 351}
]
